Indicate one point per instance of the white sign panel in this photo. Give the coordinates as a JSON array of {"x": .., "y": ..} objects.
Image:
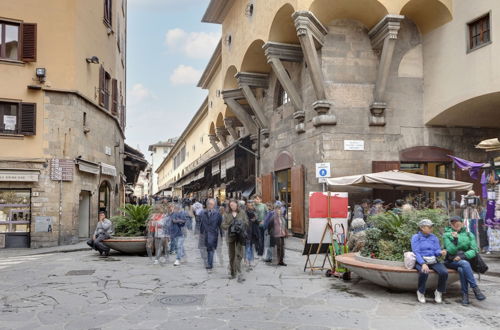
[
  {"x": 43, "y": 224},
  {"x": 354, "y": 145},
  {"x": 20, "y": 176},
  {"x": 323, "y": 170},
  {"x": 317, "y": 226},
  {"x": 10, "y": 122}
]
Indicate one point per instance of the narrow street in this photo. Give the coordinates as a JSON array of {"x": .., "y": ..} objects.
[{"x": 79, "y": 290}]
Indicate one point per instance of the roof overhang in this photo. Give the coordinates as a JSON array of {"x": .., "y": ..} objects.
[{"x": 217, "y": 11}]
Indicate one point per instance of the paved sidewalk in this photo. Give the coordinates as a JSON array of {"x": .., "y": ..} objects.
[{"x": 82, "y": 246}]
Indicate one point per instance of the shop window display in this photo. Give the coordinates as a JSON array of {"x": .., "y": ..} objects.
[{"x": 15, "y": 212}]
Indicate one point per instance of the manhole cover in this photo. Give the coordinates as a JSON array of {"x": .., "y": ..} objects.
[
  {"x": 182, "y": 300},
  {"x": 80, "y": 272}
]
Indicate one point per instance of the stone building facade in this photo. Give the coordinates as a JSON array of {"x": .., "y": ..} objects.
[{"x": 62, "y": 155}]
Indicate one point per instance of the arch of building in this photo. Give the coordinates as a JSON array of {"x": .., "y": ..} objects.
[
  {"x": 254, "y": 59},
  {"x": 427, "y": 14},
  {"x": 230, "y": 81},
  {"x": 211, "y": 130},
  {"x": 282, "y": 27},
  {"x": 219, "y": 122}
]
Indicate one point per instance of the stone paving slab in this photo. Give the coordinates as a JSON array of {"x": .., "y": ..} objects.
[{"x": 125, "y": 292}]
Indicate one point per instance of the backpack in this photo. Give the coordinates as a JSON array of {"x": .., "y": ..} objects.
[{"x": 237, "y": 230}]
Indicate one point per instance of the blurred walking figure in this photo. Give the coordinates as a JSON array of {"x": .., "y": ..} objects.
[
  {"x": 157, "y": 235},
  {"x": 178, "y": 232},
  {"x": 197, "y": 211},
  {"x": 252, "y": 234},
  {"x": 235, "y": 222},
  {"x": 210, "y": 229},
  {"x": 260, "y": 212},
  {"x": 276, "y": 225}
]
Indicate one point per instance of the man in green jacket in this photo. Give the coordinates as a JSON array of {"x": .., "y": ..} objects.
[{"x": 462, "y": 248}]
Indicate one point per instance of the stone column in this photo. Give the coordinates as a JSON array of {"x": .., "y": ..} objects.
[
  {"x": 311, "y": 35},
  {"x": 383, "y": 37},
  {"x": 230, "y": 123},
  {"x": 221, "y": 133},
  {"x": 213, "y": 141}
]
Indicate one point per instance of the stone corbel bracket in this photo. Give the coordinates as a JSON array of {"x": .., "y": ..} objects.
[
  {"x": 231, "y": 97},
  {"x": 276, "y": 53},
  {"x": 230, "y": 123},
  {"x": 221, "y": 133},
  {"x": 311, "y": 35},
  {"x": 247, "y": 81},
  {"x": 213, "y": 141},
  {"x": 383, "y": 37}
]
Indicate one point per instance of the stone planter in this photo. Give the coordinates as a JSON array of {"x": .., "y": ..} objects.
[
  {"x": 127, "y": 245},
  {"x": 390, "y": 274}
]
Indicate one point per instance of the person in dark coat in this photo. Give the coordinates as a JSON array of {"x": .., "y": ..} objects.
[
  {"x": 210, "y": 229},
  {"x": 252, "y": 233}
]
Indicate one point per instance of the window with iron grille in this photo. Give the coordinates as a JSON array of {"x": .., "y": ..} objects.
[{"x": 479, "y": 32}]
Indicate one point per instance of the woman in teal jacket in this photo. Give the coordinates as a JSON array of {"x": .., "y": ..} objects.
[{"x": 462, "y": 247}]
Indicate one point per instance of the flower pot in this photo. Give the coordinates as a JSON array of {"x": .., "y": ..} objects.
[
  {"x": 390, "y": 274},
  {"x": 127, "y": 245}
]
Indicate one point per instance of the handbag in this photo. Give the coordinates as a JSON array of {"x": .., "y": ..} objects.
[
  {"x": 410, "y": 260},
  {"x": 430, "y": 260},
  {"x": 478, "y": 265}
]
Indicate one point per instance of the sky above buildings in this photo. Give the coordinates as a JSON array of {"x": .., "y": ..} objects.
[{"x": 167, "y": 50}]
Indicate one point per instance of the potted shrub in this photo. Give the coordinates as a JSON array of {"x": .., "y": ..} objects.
[{"x": 130, "y": 229}]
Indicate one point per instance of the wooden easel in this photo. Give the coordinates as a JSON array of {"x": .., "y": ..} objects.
[{"x": 328, "y": 227}]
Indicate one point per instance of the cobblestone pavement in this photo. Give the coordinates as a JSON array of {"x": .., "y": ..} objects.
[{"x": 80, "y": 290}]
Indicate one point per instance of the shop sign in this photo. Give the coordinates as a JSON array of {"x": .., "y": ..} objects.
[
  {"x": 19, "y": 176},
  {"x": 61, "y": 169},
  {"x": 354, "y": 145},
  {"x": 107, "y": 169},
  {"x": 88, "y": 167},
  {"x": 43, "y": 224}
]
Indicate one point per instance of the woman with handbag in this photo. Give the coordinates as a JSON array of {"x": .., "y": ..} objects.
[
  {"x": 462, "y": 250},
  {"x": 235, "y": 221}
]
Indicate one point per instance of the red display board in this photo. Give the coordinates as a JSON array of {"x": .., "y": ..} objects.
[{"x": 318, "y": 205}]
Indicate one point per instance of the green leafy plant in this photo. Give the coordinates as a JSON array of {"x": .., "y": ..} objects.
[
  {"x": 133, "y": 221},
  {"x": 389, "y": 235}
]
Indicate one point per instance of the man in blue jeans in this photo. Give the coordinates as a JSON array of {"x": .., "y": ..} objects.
[
  {"x": 178, "y": 232},
  {"x": 427, "y": 249}
]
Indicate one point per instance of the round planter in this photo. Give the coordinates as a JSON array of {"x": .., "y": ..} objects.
[
  {"x": 128, "y": 245},
  {"x": 390, "y": 274}
]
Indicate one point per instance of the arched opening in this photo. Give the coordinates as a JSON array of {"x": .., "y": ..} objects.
[
  {"x": 254, "y": 59},
  {"x": 368, "y": 12},
  {"x": 211, "y": 130},
  {"x": 427, "y": 14},
  {"x": 105, "y": 198},
  {"x": 283, "y": 28},
  {"x": 219, "y": 121},
  {"x": 230, "y": 81}
]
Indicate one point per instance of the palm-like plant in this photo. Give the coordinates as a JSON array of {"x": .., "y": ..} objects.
[{"x": 133, "y": 220}]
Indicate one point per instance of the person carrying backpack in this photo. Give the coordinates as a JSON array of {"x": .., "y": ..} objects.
[{"x": 235, "y": 221}]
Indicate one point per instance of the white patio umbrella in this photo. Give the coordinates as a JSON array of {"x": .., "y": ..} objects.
[{"x": 400, "y": 181}]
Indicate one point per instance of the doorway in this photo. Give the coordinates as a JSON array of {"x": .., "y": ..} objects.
[
  {"x": 104, "y": 201},
  {"x": 84, "y": 215}
]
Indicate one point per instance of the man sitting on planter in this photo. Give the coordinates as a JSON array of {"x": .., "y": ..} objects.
[
  {"x": 103, "y": 230},
  {"x": 427, "y": 249}
]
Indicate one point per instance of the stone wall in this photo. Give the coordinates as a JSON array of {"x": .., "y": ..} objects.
[{"x": 350, "y": 67}]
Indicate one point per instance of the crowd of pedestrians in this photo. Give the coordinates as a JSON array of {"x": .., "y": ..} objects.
[{"x": 250, "y": 230}]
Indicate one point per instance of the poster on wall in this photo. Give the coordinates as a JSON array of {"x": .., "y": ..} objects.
[
  {"x": 43, "y": 224},
  {"x": 318, "y": 205},
  {"x": 9, "y": 122}
]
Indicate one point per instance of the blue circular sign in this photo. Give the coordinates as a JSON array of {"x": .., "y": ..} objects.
[{"x": 322, "y": 172}]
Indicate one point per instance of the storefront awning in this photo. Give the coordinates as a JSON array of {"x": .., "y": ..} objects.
[
  {"x": 87, "y": 166},
  {"x": 107, "y": 169}
]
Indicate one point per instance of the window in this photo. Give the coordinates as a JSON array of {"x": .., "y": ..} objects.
[
  {"x": 104, "y": 88},
  {"x": 108, "y": 16},
  {"x": 479, "y": 32},
  {"x": 283, "y": 97},
  {"x": 17, "y": 118},
  {"x": 11, "y": 47},
  {"x": 9, "y": 41},
  {"x": 180, "y": 157}
]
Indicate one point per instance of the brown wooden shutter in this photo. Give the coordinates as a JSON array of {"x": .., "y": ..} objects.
[
  {"x": 465, "y": 177},
  {"x": 28, "y": 53},
  {"x": 114, "y": 104},
  {"x": 298, "y": 195},
  {"x": 267, "y": 188},
  {"x": 102, "y": 82},
  {"x": 27, "y": 124}
]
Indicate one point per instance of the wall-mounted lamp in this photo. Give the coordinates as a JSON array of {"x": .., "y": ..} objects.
[
  {"x": 93, "y": 59},
  {"x": 41, "y": 74}
]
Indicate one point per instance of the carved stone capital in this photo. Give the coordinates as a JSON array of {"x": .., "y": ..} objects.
[
  {"x": 299, "y": 115},
  {"x": 300, "y": 127},
  {"x": 388, "y": 27},
  {"x": 236, "y": 94},
  {"x": 213, "y": 141},
  {"x": 284, "y": 52},
  {"x": 265, "y": 132},
  {"x": 377, "y": 114},
  {"x": 253, "y": 79},
  {"x": 322, "y": 106},
  {"x": 323, "y": 117},
  {"x": 307, "y": 23}
]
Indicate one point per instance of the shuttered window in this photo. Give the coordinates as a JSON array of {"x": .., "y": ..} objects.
[
  {"x": 18, "y": 41},
  {"x": 114, "y": 90},
  {"x": 104, "y": 88},
  {"x": 17, "y": 118},
  {"x": 108, "y": 12}
]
